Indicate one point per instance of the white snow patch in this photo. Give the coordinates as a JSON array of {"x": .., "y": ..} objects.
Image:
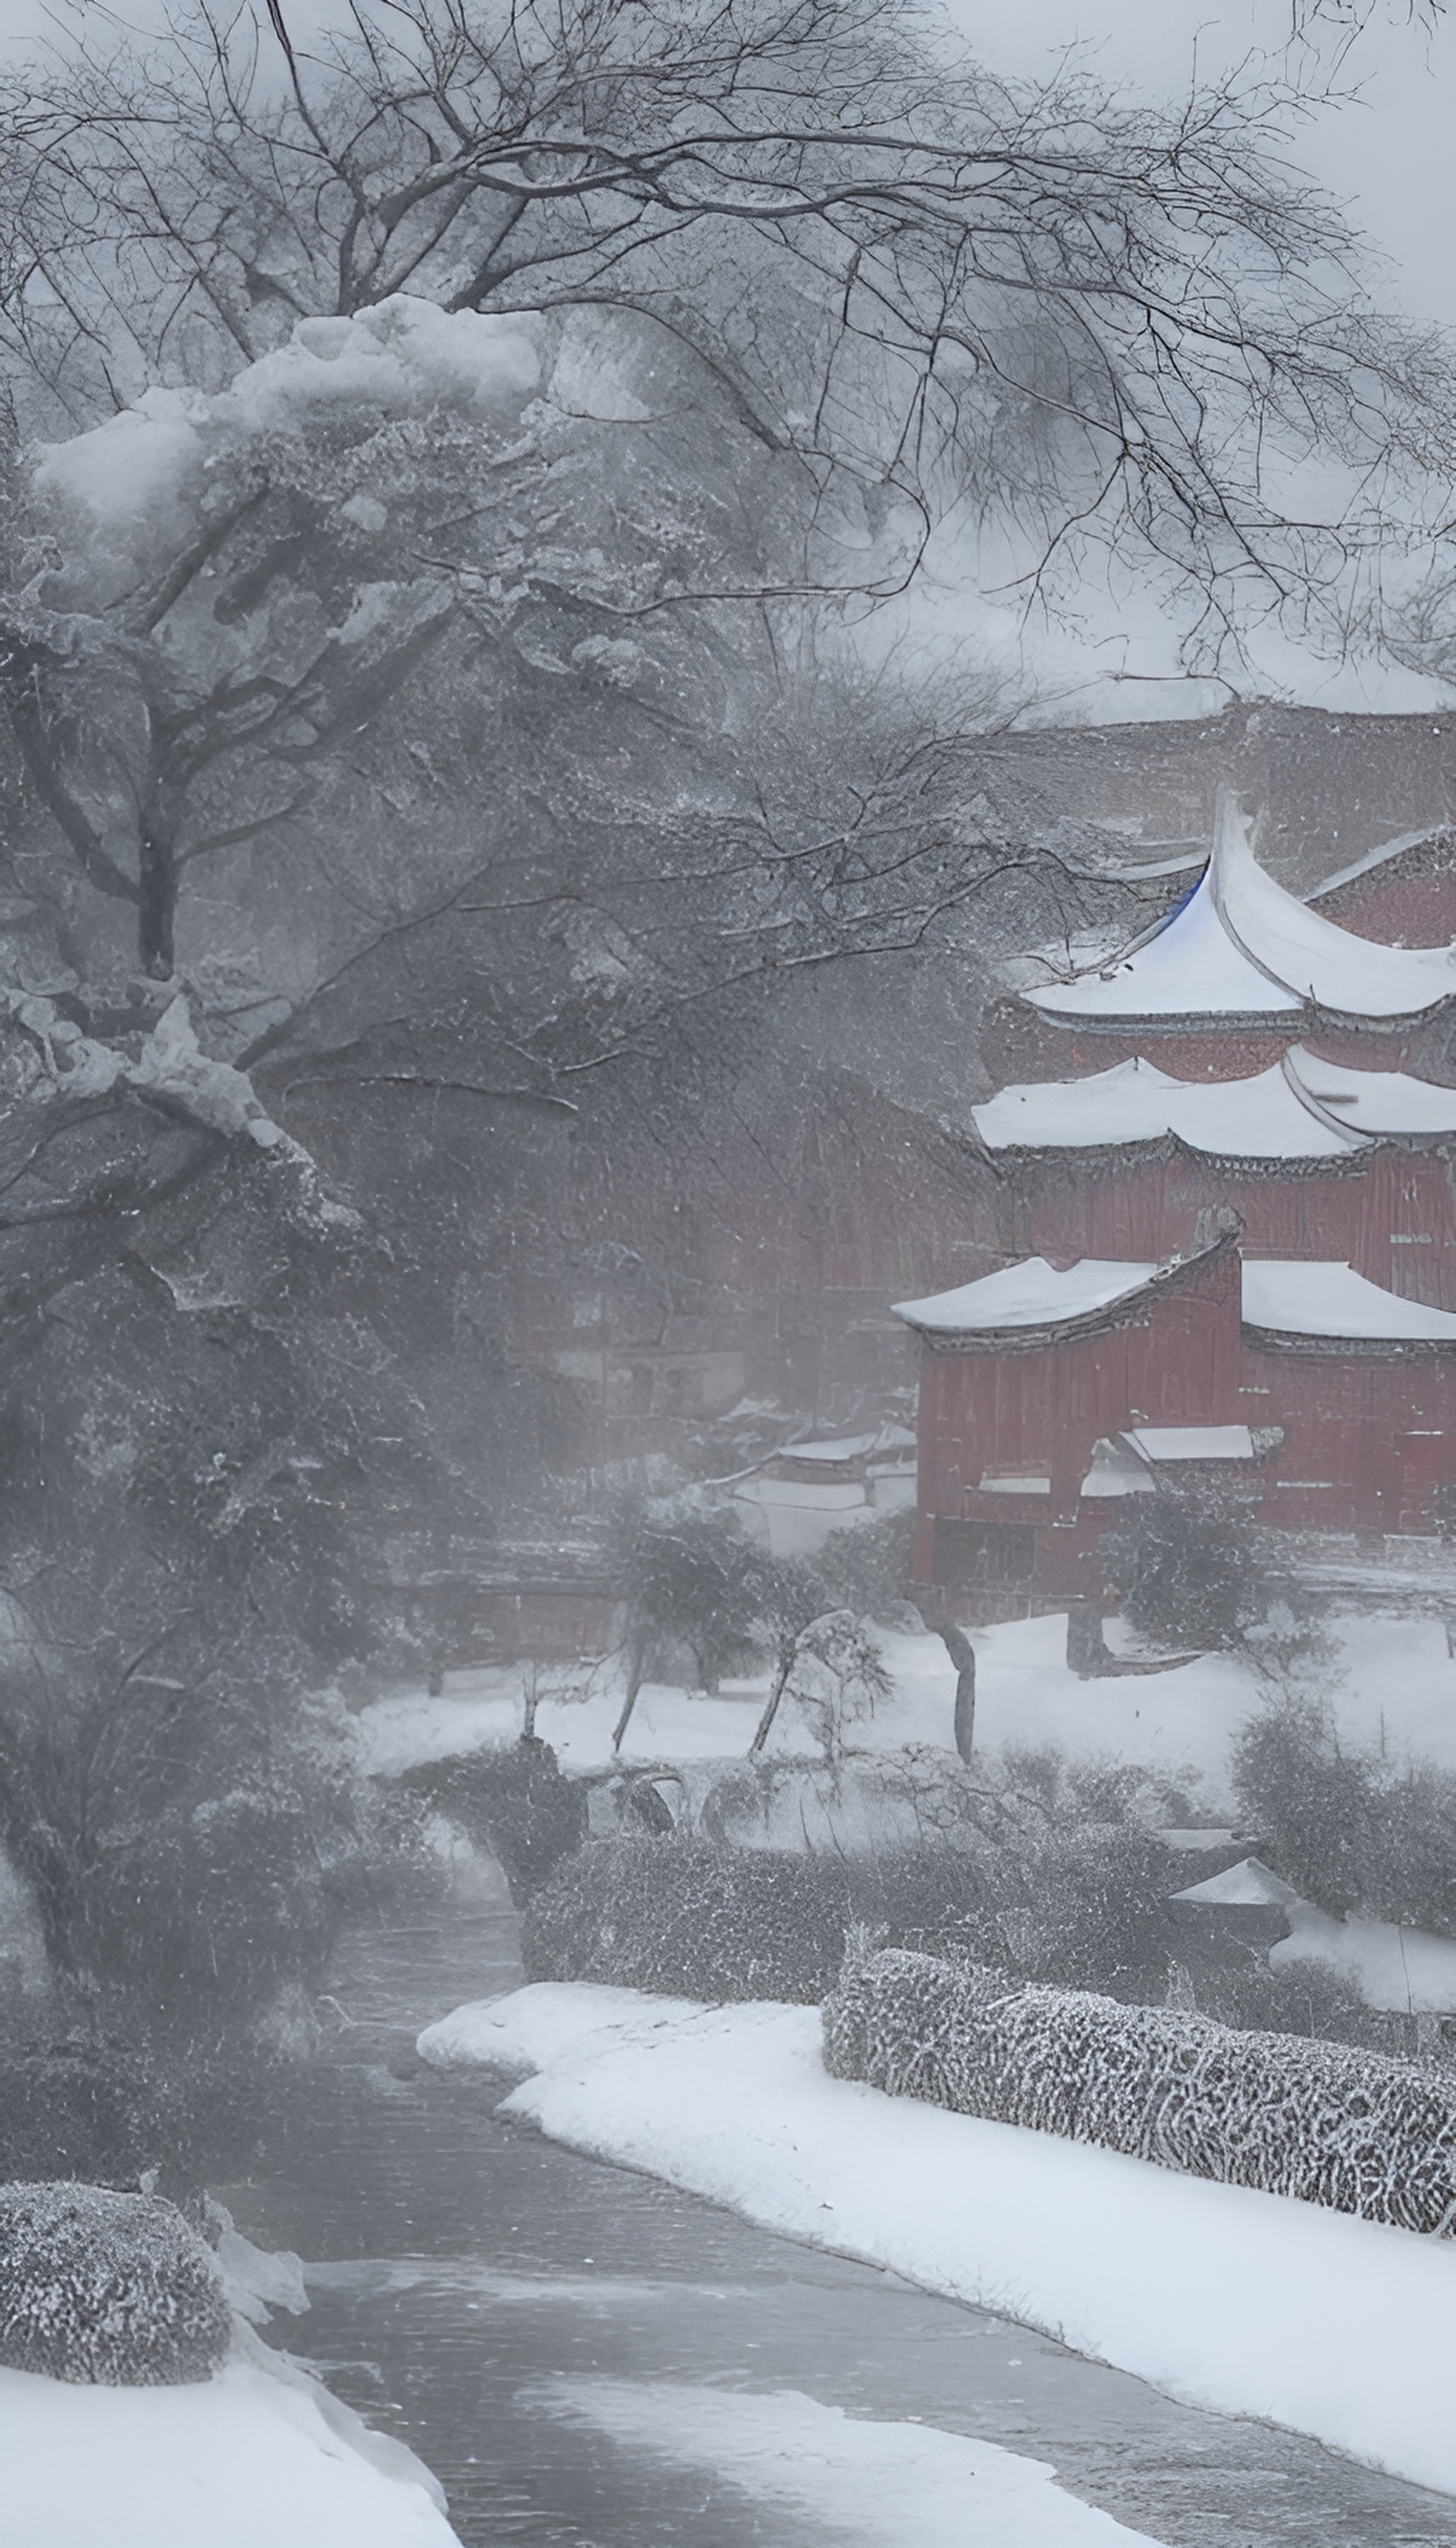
[
  {"x": 1395, "y": 1968},
  {"x": 1191, "y": 968},
  {"x": 1263, "y": 1116},
  {"x": 1321, "y": 1298},
  {"x": 1033, "y": 1294},
  {"x": 1240, "y": 2302},
  {"x": 1249, "y": 1882},
  {"x": 247, "y": 2460},
  {"x": 1192, "y": 1441},
  {"x": 1372, "y": 1102},
  {"x": 876, "y": 2484},
  {"x": 1128, "y": 1103},
  {"x": 529, "y": 2030},
  {"x": 1350, "y": 975}
]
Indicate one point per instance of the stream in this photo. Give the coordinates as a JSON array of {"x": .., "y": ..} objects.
[{"x": 462, "y": 2271}]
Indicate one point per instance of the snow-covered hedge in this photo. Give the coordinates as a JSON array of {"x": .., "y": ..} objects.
[
  {"x": 109, "y": 2288},
  {"x": 682, "y": 1916},
  {"x": 1320, "y": 2122}
]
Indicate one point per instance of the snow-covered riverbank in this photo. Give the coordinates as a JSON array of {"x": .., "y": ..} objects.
[
  {"x": 251, "y": 2459},
  {"x": 1242, "y": 2302}
]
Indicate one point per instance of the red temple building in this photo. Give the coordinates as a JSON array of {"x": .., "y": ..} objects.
[{"x": 1230, "y": 1206}]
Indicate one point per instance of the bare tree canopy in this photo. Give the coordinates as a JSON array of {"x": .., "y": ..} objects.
[{"x": 1115, "y": 325}]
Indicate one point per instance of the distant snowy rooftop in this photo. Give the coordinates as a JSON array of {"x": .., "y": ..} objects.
[
  {"x": 1240, "y": 1888},
  {"x": 1032, "y": 1295},
  {"x": 854, "y": 1446},
  {"x": 1303, "y": 1298},
  {"x": 1239, "y": 946},
  {"x": 1301, "y": 1109}
]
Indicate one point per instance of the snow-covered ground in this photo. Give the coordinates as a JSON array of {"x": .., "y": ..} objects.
[
  {"x": 870, "y": 2483},
  {"x": 1394, "y": 1683},
  {"x": 246, "y": 2460},
  {"x": 1242, "y": 2302},
  {"x": 1398, "y": 1969}
]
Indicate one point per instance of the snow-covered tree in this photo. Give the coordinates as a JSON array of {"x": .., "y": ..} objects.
[{"x": 1124, "y": 326}]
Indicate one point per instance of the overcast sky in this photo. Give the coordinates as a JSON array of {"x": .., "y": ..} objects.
[{"x": 1390, "y": 152}]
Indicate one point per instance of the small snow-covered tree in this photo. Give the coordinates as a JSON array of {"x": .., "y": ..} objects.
[
  {"x": 837, "y": 1679},
  {"x": 222, "y": 588}
]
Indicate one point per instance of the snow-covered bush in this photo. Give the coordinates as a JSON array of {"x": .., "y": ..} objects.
[
  {"x": 515, "y": 1803},
  {"x": 1323, "y": 2122},
  {"x": 679, "y": 1916},
  {"x": 1084, "y": 1908},
  {"x": 107, "y": 2288}
]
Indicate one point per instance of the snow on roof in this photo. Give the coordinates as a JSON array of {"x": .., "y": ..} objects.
[
  {"x": 1377, "y": 1103},
  {"x": 1031, "y": 1294},
  {"x": 1301, "y": 1109},
  {"x": 1319, "y": 1298},
  {"x": 1125, "y": 1104},
  {"x": 1373, "y": 859},
  {"x": 1251, "y": 1881},
  {"x": 1189, "y": 966},
  {"x": 1260, "y": 1118},
  {"x": 1115, "y": 1472},
  {"x": 1264, "y": 1117},
  {"x": 1192, "y": 1441},
  {"x": 1328, "y": 965},
  {"x": 1241, "y": 945},
  {"x": 854, "y": 1446}
]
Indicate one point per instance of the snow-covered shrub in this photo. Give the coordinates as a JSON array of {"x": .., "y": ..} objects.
[
  {"x": 681, "y": 1916},
  {"x": 1086, "y": 1909},
  {"x": 108, "y": 2288},
  {"x": 1323, "y": 2122},
  {"x": 515, "y": 1803}
]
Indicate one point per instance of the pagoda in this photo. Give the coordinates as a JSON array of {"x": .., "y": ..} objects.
[{"x": 1232, "y": 1248}]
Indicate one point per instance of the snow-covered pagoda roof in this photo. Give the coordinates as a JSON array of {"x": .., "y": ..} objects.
[
  {"x": 1301, "y": 1109},
  {"x": 1238, "y": 946},
  {"x": 1028, "y": 1298},
  {"x": 1300, "y": 1297},
  {"x": 1282, "y": 1297}
]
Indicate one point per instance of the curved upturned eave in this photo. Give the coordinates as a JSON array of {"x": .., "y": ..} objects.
[
  {"x": 1162, "y": 1147},
  {"x": 1290, "y": 1340},
  {"x": 1240, "y": 925},
  {"x": 1311, "y": 1019}
]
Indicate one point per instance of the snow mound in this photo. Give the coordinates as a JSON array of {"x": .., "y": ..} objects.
[{"x": 249, "y": 2460}]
